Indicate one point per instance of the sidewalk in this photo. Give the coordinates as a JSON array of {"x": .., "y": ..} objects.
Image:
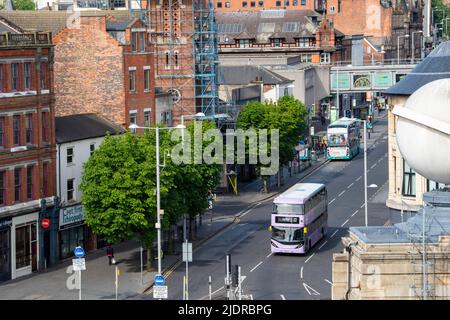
[{"x": 98, "y": 279}]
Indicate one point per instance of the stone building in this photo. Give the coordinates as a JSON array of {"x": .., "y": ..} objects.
[
  {"x": 27, "y": 152},
  {"x": 406, "y": 187}
]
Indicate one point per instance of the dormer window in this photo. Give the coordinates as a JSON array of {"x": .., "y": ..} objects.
[
  {"x": 245, "y": 43},
  {"x": 277, "y": 42}
]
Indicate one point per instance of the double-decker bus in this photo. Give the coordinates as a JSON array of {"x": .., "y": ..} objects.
[
  {"x": 343, "y": 139},
  {"x": 299, "y": 218}
]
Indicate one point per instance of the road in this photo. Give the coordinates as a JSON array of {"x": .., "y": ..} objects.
[{"x": 289, "y": 277}]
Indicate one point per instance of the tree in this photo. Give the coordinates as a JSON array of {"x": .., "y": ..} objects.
[
  {"x": 24, "y": 4},
  {"x": 287, "y": 116},
  {"x": 440, "y": 12}
]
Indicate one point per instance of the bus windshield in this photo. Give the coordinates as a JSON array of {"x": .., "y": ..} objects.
[
  {"x": 287, "y": 235},
  {"x": 288, "y": 209}
]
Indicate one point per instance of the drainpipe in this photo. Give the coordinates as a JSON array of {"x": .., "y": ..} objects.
[{"x": 349, "y": 250}]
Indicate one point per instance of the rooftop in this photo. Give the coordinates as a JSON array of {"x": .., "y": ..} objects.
[
  {"x": 297, "y": 193},
  {"x": 83, "y": 126},
  {"x": 244, "y": 75},
  {"x": 434, "y": 67}
]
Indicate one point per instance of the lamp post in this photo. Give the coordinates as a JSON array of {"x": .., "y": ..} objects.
[
  {"x": 158, "y": 196},
  {"x": 398, "y": 46},
  {"x": 413, "y": 46},
  {"x": 446, "y": 27}
]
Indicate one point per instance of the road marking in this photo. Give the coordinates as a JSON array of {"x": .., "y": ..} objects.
[
  {"x": 323, "y": 244},
  {"x": 355, "y": 213},
  {"x": 309, "y": 290},
  {"x": 249, "y": 209},
  {"x": 351, "y": 184},
  {"x": 331, "y": 201},
  {"x": 359, "y": 178},
  {"x": 310, "y": 257},
  {"x": 251, "y": 297},
  {"x": 362, "y": 206},
  {"x": 260, "y": 263},
  {"x": 221, "y": 288},
  {"x": 301, "y": 273},
  {"x": 340, "y": 194},
  {"x": 334, "y": 234},
  {"x": 373, "y": 166},
  {"x": 344, "y": 223},
  {"x": 268, "y": 256},
  {"x": 282, "y": 297}
]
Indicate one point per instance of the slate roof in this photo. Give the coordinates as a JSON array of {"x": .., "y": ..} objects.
[
  {"x": 83, "y": 126},
  {"x": 434, "y": 67},
  {"x": 244, "y": 75}
]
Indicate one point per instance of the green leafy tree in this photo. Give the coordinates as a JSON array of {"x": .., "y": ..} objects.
[
  {"x": 440, "y": 12},
  {"x": 24, "y": 4}
]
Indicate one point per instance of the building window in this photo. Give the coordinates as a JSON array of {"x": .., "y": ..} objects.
[
  {"x": 147, "y": 117},
  {"x": 244, "y": 43},
  {"x": 45, "y": 179},
  {"x": 70, "y": 189},
  {"x": 26, "y": 246},
  {"x": 15, "y": 76},
  {"x": 166, "y": 118},
  {"x": 227, "y": 4},
  {"x": 92, "y": 148},
  {"x": 295, "y": 3},
  {"x": 2, "y": 188},
  {"x": 433, "y": 185},
  {"x": 69, "y": 155},
  {"x": 175, "y": 58},
  {"x": 133, "y": 119},
  {"x": 27, "y": 76},
  {"x": 44, "y": 126},
  {"x": 277, "y": 42},
  {"x": 134, "y": 41},
  {"x": 16, "y": 130},
  {"x": 147, "y": 80},
  {"x": 252, "y": 4},
  {"x": 167, "y": 66},
  {"x": 219, "y": 4},
  {"x": 142, "y": 41},
  {"x": 17, "y": 184},
  {"x": 2, "y": 132},
  {"x": 339, "y": 6},
  {"x": 278, "y": 3},
  {"x": 303, "y": 42},
  {"x": 43, "y": 76},
  {"x": 303, "y": 2},
  {"x": 30, "y": 182},
  {"x": 306, "y": 58},
  {"x": 244, "y": 4},
  {"x": 325, "y": 58},
  {"x": 132, "y": 80},
  {"x": 260, "y": 3},
  {"x": 29, "y": 128},
  {"x": 332, "y": 9},
  {"x": 409, "y": 181},
  {"x": 286, "y": 3}
]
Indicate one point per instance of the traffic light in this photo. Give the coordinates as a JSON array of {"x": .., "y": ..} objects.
[{"x": 235, "y": 276}]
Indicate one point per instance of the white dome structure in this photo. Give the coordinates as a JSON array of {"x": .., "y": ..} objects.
[{"x": 423, "y": 131}]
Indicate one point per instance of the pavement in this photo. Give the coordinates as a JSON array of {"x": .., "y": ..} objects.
[{"x": 98, "y": 280}]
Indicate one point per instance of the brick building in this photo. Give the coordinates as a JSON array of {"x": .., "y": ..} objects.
[
  {"x": 256, "y": 5},
  {"x": 103, "y": 63},
  {"x": 27, "y": 151}
]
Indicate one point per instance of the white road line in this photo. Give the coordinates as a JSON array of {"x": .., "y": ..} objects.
[
  {"x": 373, "y": 166},
  {"x": 310, "y": 257},
  {"x": 260, "y": 263},
  {"x": 268, "y": 256},
  {"x": 221, "y": 288},
  {"x": 323, "y": 244},
  {"x": 359, "y": 178},
  {"x": 355, "y": 213},
  {"x": 344, "y": 223},
  {"x": 340, "y": 194},
  {"x": 310, "y": 290},
  {"x": 362, "y": 206},
  {"x": 326, "y": 280},
  {"x": 331, "y": 201},
  {"x": 282, "y": 297},
  {"x": 301, "y": 272},
  {"x": 251, "y": 297},
  {"x": 334, "y": 233},
  {"x": 351, "y": 184}
]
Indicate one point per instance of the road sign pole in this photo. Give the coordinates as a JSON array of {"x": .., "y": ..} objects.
[
  {"x": 184, "y": 287},
  {"x": 117, "y": 282},
  {"x": 142, "y": 267},
  {"x": 209, "y": 283},
  {"x": 187, "y": 271},
  {"x": 227, "y": 276},
  {"x": 79, "y": 278},
  {"x": 240, "y": 285}
]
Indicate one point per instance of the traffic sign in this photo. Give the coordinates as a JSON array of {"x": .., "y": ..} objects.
[
  {"x": 45, "y": 223},
  {"x": 160, "y": 292},
  {"x": 187, "y": 251},
  {"x": 159, "y": 280},
  {"x": 79, "y": 264},
  {"x": 79, "y": 252}
]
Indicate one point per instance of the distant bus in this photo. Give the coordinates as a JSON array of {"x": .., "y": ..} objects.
[
  {"x": 343, "y": 139},
  {"x": 299, "y": 218}
]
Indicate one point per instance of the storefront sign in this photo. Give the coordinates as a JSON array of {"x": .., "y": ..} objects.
[
  {"x": 5, "y": 223},
  {"x": 343, "y": 79},
  {"x": 382, "y": 80},
  {"x": 71, "y": 216}
]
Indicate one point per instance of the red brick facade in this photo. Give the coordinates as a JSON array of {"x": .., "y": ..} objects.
[
  {"x": 27, "y": 143},
  {"x": 92, "y": 72}
]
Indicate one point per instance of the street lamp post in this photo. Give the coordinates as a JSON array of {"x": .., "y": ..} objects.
[
  {"x": 413, "y": 46},
  {"x": 158, "y": 196},
  {"x": 398, "y": 46}
]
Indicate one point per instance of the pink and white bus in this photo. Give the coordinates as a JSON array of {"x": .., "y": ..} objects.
[{"x": 299, "y": 218}]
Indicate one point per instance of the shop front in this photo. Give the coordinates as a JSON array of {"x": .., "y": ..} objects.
[
  {"x": 5, "y": 249},
  {"x": 73, "y": 232},
  {"x": 24, "y": 243}
]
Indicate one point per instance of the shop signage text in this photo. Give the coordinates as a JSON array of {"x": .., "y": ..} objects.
[{"x": 71, "y": 216}]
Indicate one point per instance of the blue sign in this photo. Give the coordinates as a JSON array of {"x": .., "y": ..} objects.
[
  {"x": 159, "y": 280},
  {"x": 348, "y": 113},
  {"x": 79, "y": 252}
]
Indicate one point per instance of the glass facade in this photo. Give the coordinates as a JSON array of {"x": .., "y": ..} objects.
[
  {"x": 26, "y": 246},
  {"x": 70, "y": 239}
]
